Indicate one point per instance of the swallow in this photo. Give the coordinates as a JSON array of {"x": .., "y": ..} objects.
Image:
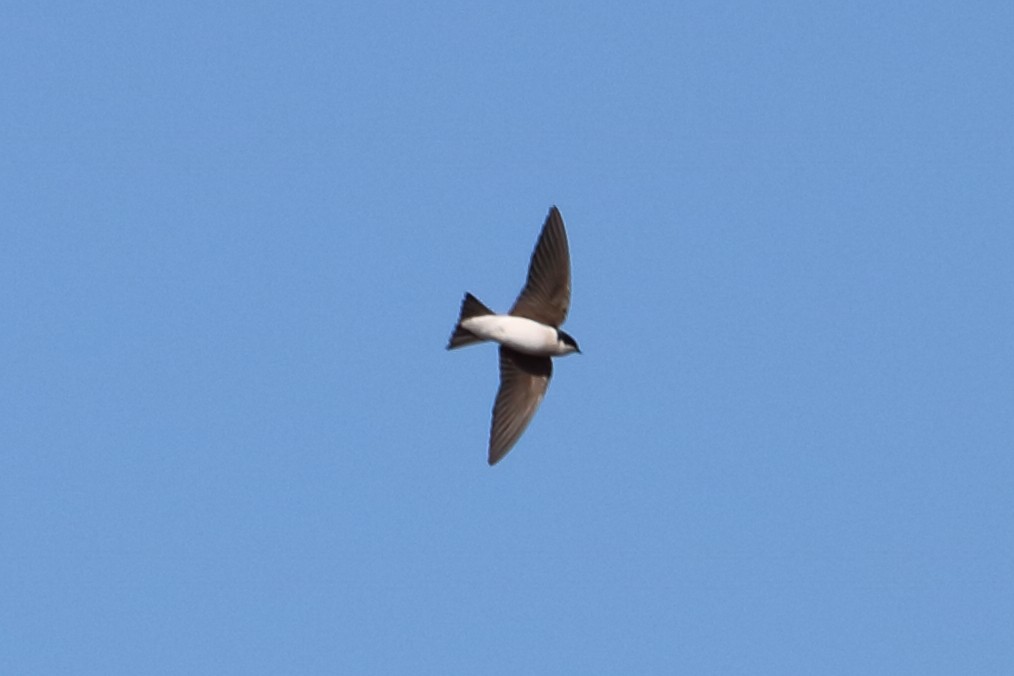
[{"x": 529, "y": 336}]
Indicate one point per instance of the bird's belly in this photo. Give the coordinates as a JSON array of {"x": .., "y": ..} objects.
[{"x": 518, "y": 333}]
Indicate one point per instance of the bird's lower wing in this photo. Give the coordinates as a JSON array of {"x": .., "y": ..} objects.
[{"x": 523, "y": 382}]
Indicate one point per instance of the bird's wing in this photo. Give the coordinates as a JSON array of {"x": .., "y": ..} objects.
[
  {"x": 523, "y": 383},
  {"x": 546, "y": 296}
]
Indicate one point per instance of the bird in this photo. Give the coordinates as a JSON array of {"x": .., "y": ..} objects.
[{"x": 529, "y": 336}]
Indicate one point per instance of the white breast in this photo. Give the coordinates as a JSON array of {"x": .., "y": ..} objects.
[{"x": 523, "y": 335}]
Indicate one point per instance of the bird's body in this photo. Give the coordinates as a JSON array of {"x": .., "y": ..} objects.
[
  {"x": 518, "y": 333},
  {"x": 529, "y": 335}
]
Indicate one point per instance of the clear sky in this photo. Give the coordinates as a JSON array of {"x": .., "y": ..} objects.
[{"x": 233, "y": 242}]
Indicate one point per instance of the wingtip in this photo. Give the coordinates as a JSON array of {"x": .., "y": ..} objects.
[{"x": 495, "y": 456}]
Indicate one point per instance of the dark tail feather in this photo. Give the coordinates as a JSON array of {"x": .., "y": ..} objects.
[{"x": 470, "y": 307}]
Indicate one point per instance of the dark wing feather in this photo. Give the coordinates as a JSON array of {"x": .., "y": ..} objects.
[
  {"x": 546, "y": 296},
  {"x": 523, "y": 383}
]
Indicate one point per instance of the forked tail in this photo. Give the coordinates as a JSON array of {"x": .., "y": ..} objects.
[{"x": 470, "y": 307}]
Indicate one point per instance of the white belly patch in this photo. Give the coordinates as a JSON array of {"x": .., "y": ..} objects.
[{"x": 523, "y": 335}]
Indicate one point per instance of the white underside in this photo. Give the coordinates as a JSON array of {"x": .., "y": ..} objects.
[{"x": 523, "y": 335}]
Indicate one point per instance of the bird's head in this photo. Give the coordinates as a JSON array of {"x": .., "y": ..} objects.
[{"x": 566, "y": 343}]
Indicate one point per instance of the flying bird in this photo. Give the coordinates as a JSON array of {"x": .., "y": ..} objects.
[{"x": 529, "y": 336}]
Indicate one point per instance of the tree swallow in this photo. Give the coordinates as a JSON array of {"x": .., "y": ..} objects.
[{"x": 529, "y": 335}]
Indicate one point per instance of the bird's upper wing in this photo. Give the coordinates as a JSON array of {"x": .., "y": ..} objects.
[
  {"x": 523, "y": 383},
  {"x": 546, "y": 296}
]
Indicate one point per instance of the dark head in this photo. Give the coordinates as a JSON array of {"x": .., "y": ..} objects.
[{"x": 568, "y": 342}]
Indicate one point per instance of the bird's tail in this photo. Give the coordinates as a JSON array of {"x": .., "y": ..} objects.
[{"x": 470, "y": 307}]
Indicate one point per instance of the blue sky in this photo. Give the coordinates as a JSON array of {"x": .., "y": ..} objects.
[{"x": 234, "y": 241}]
